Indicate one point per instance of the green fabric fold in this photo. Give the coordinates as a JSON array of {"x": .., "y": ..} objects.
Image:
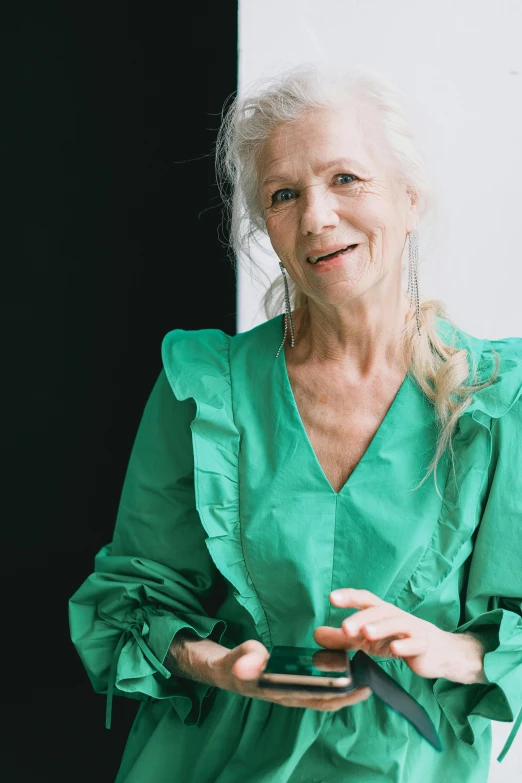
[
  {"x": 470, "y": 707},
  {"x": 493, "y": 601},
  {"x": 140, "y": 642},
  {"x": 156, "y": 577},
  {"x": 197, "y": 366}
]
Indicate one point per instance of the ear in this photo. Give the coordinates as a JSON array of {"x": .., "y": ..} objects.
[{"x": 413, "y": 212}]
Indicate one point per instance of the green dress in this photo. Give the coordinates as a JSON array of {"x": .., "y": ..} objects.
[{"x": 228, "y": 527}]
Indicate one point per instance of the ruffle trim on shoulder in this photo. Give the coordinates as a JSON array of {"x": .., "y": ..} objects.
[
  {"x": 197, "y": 365},
  {"x": 450, "y": 543},
  {"x": 499, "y": 397}
]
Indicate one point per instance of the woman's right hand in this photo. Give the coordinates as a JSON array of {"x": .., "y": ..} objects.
[{"x": 238, "y": 670}]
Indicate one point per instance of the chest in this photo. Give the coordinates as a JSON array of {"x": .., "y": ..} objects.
[
  {"x": 325, "y": 496},
  {"x": 341, "y": 421}
]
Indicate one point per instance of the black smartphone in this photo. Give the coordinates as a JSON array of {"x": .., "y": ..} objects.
[{"x": 317, "y": 670}]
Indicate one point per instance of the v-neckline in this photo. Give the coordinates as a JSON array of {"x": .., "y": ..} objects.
[{"x": 300, "y": 425}]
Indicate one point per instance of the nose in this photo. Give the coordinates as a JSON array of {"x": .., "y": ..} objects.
[{"x": 319, "y": 211}]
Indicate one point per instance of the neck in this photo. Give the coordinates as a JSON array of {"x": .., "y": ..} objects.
[{"x": 358, "y": 340}]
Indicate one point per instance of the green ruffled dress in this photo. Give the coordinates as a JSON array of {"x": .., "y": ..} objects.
[{"x": 228, "y": 527}]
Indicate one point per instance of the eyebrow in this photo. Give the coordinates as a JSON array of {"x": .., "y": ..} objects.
[{"x": 339, "y": 162}]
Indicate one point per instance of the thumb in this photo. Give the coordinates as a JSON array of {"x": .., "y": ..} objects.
[{"x": 250, "y": 660}]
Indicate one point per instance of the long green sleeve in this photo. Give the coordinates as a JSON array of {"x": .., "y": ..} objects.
[
  {"x": 157, "y": 577},
  {"x": 494, "y": 595}
]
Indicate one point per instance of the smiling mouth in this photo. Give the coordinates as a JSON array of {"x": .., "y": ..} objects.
[{"x": 310, "y": 259}]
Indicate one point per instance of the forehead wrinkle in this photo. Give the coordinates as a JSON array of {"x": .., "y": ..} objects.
[
  {"x": 279, "y": 132},
  {"x": 317, "y": 166}
]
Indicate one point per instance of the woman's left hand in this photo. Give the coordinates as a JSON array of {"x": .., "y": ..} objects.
[{"x": 382, "y": 630}]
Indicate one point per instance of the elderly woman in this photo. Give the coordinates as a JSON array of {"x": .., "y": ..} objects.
[{"x": 345, "y": 475}]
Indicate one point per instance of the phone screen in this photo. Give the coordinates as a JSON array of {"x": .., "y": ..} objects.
[{"x": 308, "y": 662}]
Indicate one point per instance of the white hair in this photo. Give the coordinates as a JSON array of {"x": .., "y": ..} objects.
[{"x": 444, "y": 372}]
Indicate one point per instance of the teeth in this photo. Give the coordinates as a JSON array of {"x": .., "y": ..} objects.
[{"x": 315, "y": 259}]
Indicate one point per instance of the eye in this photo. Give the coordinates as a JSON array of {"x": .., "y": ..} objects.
[
  {"x": 285, "y": 194},
  {"x": 346, "y": 175}
]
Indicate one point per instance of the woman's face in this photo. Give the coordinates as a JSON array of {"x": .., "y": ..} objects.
[{"x": 322, "y": 189}]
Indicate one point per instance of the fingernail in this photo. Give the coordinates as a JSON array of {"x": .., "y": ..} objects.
[{"x": 336, "y": 595}]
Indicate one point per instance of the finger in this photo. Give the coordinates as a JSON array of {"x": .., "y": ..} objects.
[
  {"x": 406, "y": 648},
  {"x": 389, "y": 626},
  {"x": 349, "y": 596},
  {"x": 248, "y": 668},
  {"x": 287, "y": 694},
  {"x": 360, "y": 694},
  {"x": 352, "y": 625},
  {"x": 331, "y": 705},
  {"x": 323, "y": 701},
  {"x": 332, "y": 638},
  {"x": 251, "y": 662}
]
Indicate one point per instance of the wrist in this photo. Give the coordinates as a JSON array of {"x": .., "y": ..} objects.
[
  {"x": 203, "y": 657},
  {"x": 465, "y": 663},
  {"x": 194, "y": 658}
]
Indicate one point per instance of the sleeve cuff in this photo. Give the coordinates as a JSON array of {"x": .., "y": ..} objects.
[
  {"x": 138, "y": 667},
  {"x": 470, "y": 707},
  {"x": 193, "y": 700}
]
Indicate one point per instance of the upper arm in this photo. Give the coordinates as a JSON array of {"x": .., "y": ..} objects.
[
  {"x": 496, "y": 570},
  {"x": 157, "y": 517}
]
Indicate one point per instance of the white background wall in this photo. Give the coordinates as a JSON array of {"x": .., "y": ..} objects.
[{"x": 460, "y": 63}]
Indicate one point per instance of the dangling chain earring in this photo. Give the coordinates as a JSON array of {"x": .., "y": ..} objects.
[
  {"x": 413, "y": 274},
  {"x": 288, "y": 313}
]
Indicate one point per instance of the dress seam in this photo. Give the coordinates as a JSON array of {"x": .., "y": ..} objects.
[
  {"x": 427, "y": 548},
  {"x": 463, "y": 543},
  {"x": 333, "y": 558},
  {"x": 249, "y": 577}
]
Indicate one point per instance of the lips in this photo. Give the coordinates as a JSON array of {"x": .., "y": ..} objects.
[{"x": 334, "y": 252}]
